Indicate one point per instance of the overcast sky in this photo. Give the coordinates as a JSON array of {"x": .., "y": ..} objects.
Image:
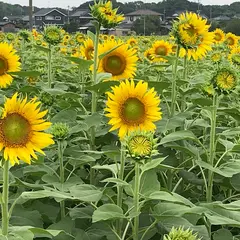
[{"x": 76, "y": 3}]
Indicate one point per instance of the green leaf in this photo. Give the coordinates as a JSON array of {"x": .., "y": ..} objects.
[
  {"x": 111, "y": 167},
  {"x": 159, "y": 86},
  {"x": 117, "y": 181},
  {"x": 65, "y": 116},
  {"x": 103, "y": 76},
  {"x": 107, "y": 212},
  {"x": 83, "y": 64},
  {"x": 81, "y": 213},
  {"x": 222, "y": 234},
  {"x": 42, "y": 49},
  {"x": 152, "y": 164},
  {"x": 235, "y": 181},
  {"x": 179, "y": 135},
  {"x": 26, "y": 73},
  {"x": 103, "y": 87},
  {"x": 93, "y": 120},
  {"x": 86, "y": 193}
]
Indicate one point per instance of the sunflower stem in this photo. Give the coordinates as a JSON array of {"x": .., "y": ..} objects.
[
  {"x": 136, "y": 201},
  {"x": 94, "y": 98},
  {"x": 62, "y": 178},
  {"x": 49, "y": 67},
  {"x": 120, "y": 188},
  {"x": 212, "y": 148},
  {"x": 174, "y": 85},
  {"x": 185, "y": 75},
  {"x": 5, "y": 193}
]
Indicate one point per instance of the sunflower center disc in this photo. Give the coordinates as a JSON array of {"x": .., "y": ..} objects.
[
  {"x": 15, "y": 129},
  {"x": 115, "y": 65},
  {"x": 191, "y": 31},
  {"x": 161, "y": 51},
  {"x": 3, "y": 65},
  {"x": 133, "y": 110},
  {"x": 217, "y": 37},
  {"x": 230, "y": 41}
]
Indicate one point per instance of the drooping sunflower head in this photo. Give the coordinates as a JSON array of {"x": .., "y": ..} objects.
[
  {"x": 52, "y": 35},
  {"x": 9, "y": 62},
  {"x": 160, "y": 49},
  {"x": 148, "y": 55},
  {"x": 231, "y": 40},
  {"x": 140, "y": 145},
  {"x": 87, "y": 49},
  {"x": 79, "y": 37},
  {"x": 21, "y": 130},
  {"x": 192, "y": 33},
  {"x": 25, "y": 35},
  {"x": 225, "y": 80},
  {"x": 131, "y": 107},
  {"x": 104, "y": 13},
  {"x": 132, "y": 42},
  {"x": 35, "y": 33},
  {"x": 181, "y": 234},
  {"x": 234, "y": 56},
  {"x": 219, "y": 36},
  {"x": 121, "y": 62}
]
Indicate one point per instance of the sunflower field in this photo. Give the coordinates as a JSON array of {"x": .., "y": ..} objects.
[{"x": 119, "y": 138}]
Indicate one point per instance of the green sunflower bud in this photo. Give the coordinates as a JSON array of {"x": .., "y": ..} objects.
[
  {"x": 208, "y": 90},
  {"x": 47, "y": 99},
  {"x": 52, "y": 35},
  {"x": 141, "y": 145},
  {"x": 225, "y": 80},
  {"x": 60, "y": 131},
  {"x": 10, "y": 36},
  {"x": 181, "y": 234}
]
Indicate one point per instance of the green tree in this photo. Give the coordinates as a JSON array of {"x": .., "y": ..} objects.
[
  {"x": 152, "y": 25},
  {"x": 233, "y": 26}
]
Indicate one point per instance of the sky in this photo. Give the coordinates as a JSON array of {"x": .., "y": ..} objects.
[{"x": 76, "y": 3}]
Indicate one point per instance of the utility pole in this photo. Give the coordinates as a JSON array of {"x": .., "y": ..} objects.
[
  {"x": 198, "y": 11},
  {"x": 68, "y": 15},
  {"x": 30, "y": 15}
]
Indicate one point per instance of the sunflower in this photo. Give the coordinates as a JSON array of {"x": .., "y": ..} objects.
[
  {"x": 219, "y": 36},
  {"x": 132, "y": 42},
  {"x": 159, "y": 49},
  {"x": 148, "y": 55},
  {"x": 2, "y": 37},
  {"x": 231, "y": 40},
  {"x": 216, "y": 57},
  {"x": 225, "y": 80},
  {"x": 121, "y": 62},
  {"x": 112, "y": 37},
  {"x": 9, "y": 62},
  {"x": 21, "y": 129},
  {"x": 87, "y": 49},
  {"x": 79, "y": 37},
  {"x": 192, "y": 33},
  {"x": 132, "y": 107},
  {"x": 234, "y": 56}
]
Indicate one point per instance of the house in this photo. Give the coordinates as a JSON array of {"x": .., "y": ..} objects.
[
  {"x": 133, "y": 16},
  {"x": 82, "y": 16},
  {"x": 7, "y": 27},
  {"x": 221, "y": 18},
  {"x": 49, "y": 16}
]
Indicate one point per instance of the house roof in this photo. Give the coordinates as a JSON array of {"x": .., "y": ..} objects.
[
  {"x": 81, "y": 13},
  {"x": 5, "y": 23},
  {"x": 144, "y": 12},
  {"x": 45, "y": 11},
  {"x": 125, "y": 25}
]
